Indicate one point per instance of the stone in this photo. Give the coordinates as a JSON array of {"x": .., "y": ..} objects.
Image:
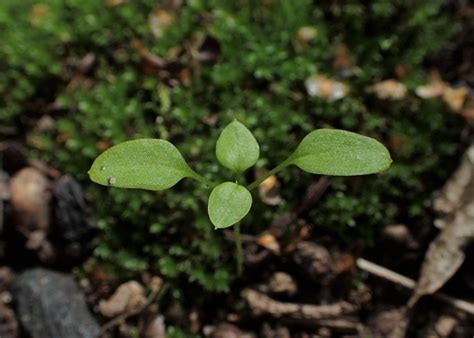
[{"x": 50, "y": 304}]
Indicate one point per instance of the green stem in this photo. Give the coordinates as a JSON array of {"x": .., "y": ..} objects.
[
  {"x": 262, "y": 178},
  {"x": 238, "y": 249},
  {"x": 203, "y": 180}
]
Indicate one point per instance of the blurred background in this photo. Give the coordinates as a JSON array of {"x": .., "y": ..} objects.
[{"x": 78, "y": 76}]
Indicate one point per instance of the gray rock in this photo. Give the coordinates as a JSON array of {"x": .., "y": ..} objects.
[{"x": 50, "y": 304}]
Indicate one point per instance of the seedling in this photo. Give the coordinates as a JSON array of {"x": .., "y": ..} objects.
[{"x": 155, "y": 164}]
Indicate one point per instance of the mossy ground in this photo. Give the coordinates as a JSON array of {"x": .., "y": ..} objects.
[{"x": 224, "y": 60}]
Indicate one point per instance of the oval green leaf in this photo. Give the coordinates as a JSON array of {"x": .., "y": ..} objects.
[
  {"x": 228, "y": 204},
  {"x": 236, "y": 148},
  {"x": 150, "y": 164},
  {"x": 340, "y": 153}
]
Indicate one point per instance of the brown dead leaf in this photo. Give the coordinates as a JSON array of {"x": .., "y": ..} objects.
[
  {"x": 30, "y": 196},
  {"x": 455, "y": 97},
  {"x": 343, "y": 62},
  {"x": 269, "y": 191},
  {"x": 38, "y": 13},
  {"x": 401, "y": 235},
  {"x": 149, "y": 58},
  {"x": 445, "y": 254},
  {"x": 45, "y": 123},
  {"x": 303, "y": 37},
  {"x": 268, "y": 241},
  {"x": 211, "y": 119},
  {"x": 400, "y": 71},
  {"x": 344, "y": 263},
  {"x": 314, "y": 259},
  {"x": 435, "y": 88},
  {"x": 128, "y": 297},
  {"x": 383, "y": 323},
  {"x": 341, "y": 59},
  {"x": 397, "y": 143},
  {"x": 103, "y": 145},
  {"x": 156, "y": 328},
  {"x": 112, "y": 3},
  {"x": 468, "y": 111},
  {"x": 159, "y": 21},
  {"x": 445, "y": 325},
  {"x": 390, "y": 89},
  {"x": 282, "y": 283},
  {"x": 325, "y": 88},
  {"x": 453, "y": 194}
]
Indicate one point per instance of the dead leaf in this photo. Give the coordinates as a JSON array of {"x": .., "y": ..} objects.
[
  {"x": 455, "y": 97},
  {"x": 211, "y": 119},
  {"x": 445, "y": 254},
  {"x": 282, "y": 283},
  {"x": 159, "y": 21},
  {"x": 103, "y": 145},
  {"x": 38, "y": 13},
  {"x": 445, "y": 325},
  {"x": 314, "y": 259},
  {"x": 397, "y": 143},
  {"x": 384, "y": 322},
  {"x": 468, "y": 111},
  {"x": 86, "y": 63},
  {"x": 269, "y": 191},
  {"x": 453, "y": 193},
  {"x": 344, "y": 263},
  {"x": 341, "y": 59},
  {"x": 268, "y": 241},
  {"x": 303, "y": 37},
  {"x": 128, "y": 297},
  {"x": 400, "y": 71},
  {"x": 390, "y": 89},
  {"x": 400, "y": 234},
  {"x": 195, "y": 321},
  {"x": 435, "y": 88},
  {"x": 112, "y": 3},
  {"x": 156, "y": 328},
  {"x": 149, "y": 58},
  {"x": 45, "y": 123},
  {"x": 325, "y": 88},
  {"x": 155, "y": 284},
  {"x": 343, "y": 62},
  {"x": 30, "y": 196}
]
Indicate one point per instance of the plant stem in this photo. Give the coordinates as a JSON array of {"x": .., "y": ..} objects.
[
  {"x": 262, "y": 178},
  {"x": 203, "y": 180},
  {"x": 238, "y": 249}
]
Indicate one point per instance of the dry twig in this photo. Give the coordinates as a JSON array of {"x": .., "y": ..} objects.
[{"x": 394, "y": 277}]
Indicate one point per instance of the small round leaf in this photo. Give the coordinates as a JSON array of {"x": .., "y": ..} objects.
[
  {"x": 228, "y": 204},
  {"x": 340, "y": 153},
  {"x": 150, "y": 164},
  {"x": 236, "y": 148}
]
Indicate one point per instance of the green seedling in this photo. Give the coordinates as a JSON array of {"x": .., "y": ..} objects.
[{"x": 156, "y": 164}]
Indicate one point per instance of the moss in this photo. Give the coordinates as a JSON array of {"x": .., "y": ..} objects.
[{"x": 258, "y": 77}]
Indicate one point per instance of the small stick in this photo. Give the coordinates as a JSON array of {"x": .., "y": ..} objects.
[{"x": 409, "y": 283}]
